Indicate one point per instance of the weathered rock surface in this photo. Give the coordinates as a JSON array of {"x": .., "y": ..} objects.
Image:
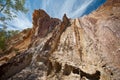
[{"x": 72, "y": 49}]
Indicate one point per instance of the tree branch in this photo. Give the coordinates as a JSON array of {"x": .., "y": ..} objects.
[{"x": 3, "y": 6}]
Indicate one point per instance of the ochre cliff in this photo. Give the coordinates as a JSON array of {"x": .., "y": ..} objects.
[{"x": 86, "y": 48}]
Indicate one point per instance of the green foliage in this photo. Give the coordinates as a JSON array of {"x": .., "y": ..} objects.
[
  {"x": 2, "y": 39},
  {"x": 11, "y": 33},
  {"x": 8, "y": 10},
  {"x": 6, "y": 35},
  {"x": 10, "y": 7}
]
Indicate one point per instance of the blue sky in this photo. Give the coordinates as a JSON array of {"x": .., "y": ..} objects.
[{"x": 55, "y": 8}]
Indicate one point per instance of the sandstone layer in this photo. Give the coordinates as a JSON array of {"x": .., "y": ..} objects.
[{"x": 86, "y": 48}]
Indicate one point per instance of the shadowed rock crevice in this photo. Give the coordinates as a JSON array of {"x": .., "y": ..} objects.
[
  {"x": 76, "y": 71},
  {"x": 53, "y": 68},
  {"x": 95, "y": 76},
  {"x": 68, "y": 69},
  {"x": 58, "y": 67},
  {"x": 50, "y": 68},
  {"x": 15, "y": 65}
]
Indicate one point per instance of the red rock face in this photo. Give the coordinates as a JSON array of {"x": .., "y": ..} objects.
[
  {"x": 39, "y": 14},
  {"x": 43, "y": 22},
  {"x": 43, "y": 26},
  {"x": 46, "y": 25}
]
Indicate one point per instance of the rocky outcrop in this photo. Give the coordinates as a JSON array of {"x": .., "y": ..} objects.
[
  {"x": 15, "y": 45},
  {"x": 86, "y": 48},
  {"x": 19, "y": 54},
  {"x": 42, "y": 23}
]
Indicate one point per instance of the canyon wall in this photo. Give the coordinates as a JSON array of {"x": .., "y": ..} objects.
[{"x": 86, "y": 48}]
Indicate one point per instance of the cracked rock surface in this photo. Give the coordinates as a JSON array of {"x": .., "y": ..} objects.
[{"x": 86, "y": 48}]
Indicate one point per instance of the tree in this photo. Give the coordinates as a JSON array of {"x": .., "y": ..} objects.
[
  {"x": 5, "y": 35},
  {"x": 2, "y": 38},
  {"x": 9, "y": 8},
  {"x": 8, "y": 11}
]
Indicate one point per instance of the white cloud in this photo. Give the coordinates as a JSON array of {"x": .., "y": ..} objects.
[
  {"x": 21, "y": 21},
  {"x": 73, "y": 9},
  {"x": 67, "y": 7},
  {"x": 82, "y": 9}
]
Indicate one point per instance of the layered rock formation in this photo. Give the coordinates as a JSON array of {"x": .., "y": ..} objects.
[{"x": 86, "y": 48}]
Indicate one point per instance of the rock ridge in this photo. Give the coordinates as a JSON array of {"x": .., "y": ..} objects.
[{"x": 86, "y": 48}]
